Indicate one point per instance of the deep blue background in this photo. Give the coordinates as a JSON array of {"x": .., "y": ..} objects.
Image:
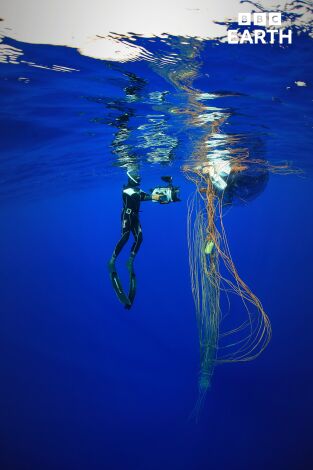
[{"x": 87, "y": 384}]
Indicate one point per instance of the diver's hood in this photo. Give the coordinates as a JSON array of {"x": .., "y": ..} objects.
[{"x": 134, "y": 178}]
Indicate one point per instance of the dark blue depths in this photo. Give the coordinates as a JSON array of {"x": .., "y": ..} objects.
[{"x": 87, "y": 384}]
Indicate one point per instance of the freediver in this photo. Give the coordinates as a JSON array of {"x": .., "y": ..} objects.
[{"x": 132, "y": 196}]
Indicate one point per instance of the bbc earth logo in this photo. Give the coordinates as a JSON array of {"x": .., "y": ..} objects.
[{"x": 272, "y": 35}]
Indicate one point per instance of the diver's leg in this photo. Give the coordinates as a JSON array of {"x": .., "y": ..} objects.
[
  {"x": 123, "y": 240},
  {"x": 137, "y": 232},
  {"x": 116, "y": 283},
  {"x": 126, "y": 227}
]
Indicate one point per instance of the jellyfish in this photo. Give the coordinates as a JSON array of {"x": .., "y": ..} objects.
[
  {"x": 213, "y": 272},
  {"x": 232, "y": 323}
]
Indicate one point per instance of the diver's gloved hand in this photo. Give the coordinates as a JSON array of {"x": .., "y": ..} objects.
[
  {"x": 161, "y": 198},
  {"x": 156, "y": 197}
]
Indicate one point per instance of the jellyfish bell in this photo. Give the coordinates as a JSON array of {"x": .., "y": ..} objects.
[{"x": 247, "y": 184}]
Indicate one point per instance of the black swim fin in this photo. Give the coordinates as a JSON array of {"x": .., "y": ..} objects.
[
  {"x": 130, "y": 263},
  {"x": 132, "y": 289},
  {"x": 111, "y": 265},
  {"x": 117, "y": 286}
]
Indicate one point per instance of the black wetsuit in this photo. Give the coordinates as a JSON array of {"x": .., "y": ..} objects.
[{"x": 132, "y": 197}]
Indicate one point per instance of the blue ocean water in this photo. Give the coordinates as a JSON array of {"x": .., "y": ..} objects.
[{"x": 88, "y": 384}]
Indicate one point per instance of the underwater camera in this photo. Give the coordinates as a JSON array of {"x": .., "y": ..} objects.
[{"x": 168, "y": 193}]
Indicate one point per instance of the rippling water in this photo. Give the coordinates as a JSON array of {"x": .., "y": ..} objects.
[{"x": 67, "y": 120}]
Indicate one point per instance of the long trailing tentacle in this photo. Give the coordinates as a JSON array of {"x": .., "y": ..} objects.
[{"x": 213, "y": 272}]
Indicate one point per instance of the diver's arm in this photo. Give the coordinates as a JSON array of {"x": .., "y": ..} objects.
[{"x": 147, "y": 196}]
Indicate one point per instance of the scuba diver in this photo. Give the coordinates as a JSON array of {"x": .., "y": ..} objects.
[{"x": 132, "y": 197}]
